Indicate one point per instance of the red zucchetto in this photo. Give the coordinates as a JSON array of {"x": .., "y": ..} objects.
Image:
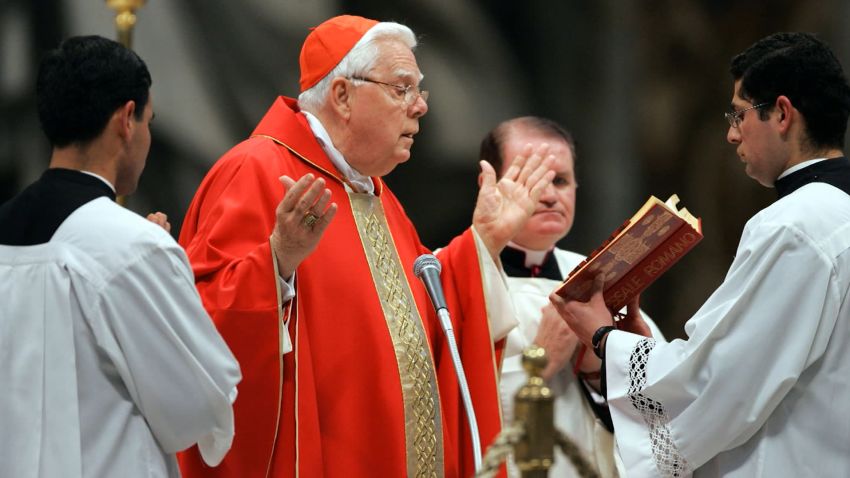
[{"x": 327, "y": 44}]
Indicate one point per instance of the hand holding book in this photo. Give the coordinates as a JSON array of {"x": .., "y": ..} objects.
[
  {"x": 636, "y": 254},
  {"x": 586, "y": 318},
  {"x": 615, "y": 274}
]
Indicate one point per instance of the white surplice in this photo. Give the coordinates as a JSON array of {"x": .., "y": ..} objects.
[
  {"x": 762, "y": 385},
  {"x": 109, "y": 363},
  {"x": 573, "y": 415}
]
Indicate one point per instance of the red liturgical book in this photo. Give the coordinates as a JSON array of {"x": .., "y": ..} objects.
[{"x": 636, "y": 254}]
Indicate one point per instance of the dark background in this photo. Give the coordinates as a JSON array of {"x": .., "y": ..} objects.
[{"x": 642, "y": 85}]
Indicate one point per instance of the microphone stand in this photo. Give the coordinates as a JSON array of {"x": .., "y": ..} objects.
[
  {"x": 427, "y": 267},
  {"x": 446, "y": 323}
]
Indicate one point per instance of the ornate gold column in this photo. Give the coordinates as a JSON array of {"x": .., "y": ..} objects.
[{"x": 125, "y": 18}]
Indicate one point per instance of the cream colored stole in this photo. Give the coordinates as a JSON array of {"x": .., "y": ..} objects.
[{"x": 423, "y": 425}]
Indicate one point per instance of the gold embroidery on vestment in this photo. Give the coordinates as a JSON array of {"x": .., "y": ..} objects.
[{"x": 423, "y": 425}]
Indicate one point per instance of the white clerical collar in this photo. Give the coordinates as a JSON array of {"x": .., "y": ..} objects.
[
  {"x": 361, "y": 183},
  {"x": 800, "y": 166},
  {"x": 532, "y": 257},
  {"x": 98, "y": 176}
]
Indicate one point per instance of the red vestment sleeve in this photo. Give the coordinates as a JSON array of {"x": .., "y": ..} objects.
[
  {"x": 225, "y": 235},
  {"x": 480, "y": 357}
]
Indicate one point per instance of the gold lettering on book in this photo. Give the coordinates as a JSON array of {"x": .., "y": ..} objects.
[
  {"x": 669, "y": 255},
  {"x": 628, "y": 289},
  {"x": 635, "y": 254}
]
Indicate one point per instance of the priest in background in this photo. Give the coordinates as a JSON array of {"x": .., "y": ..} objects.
[
  {"x": 535, "y": 266},
  {"x": 760, "y": 388},
  {"x": 304, "y": 259},
  {"x": 108, "y": 361}
]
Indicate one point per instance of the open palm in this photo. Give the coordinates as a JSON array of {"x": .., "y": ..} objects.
[{"x": 505, "y": 205}]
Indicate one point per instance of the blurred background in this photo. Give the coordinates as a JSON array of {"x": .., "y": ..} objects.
[{"x": 642, "y": 85}]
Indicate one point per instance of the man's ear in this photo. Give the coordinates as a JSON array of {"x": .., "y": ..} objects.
[
  {"x": 125, "y": 119},
  {"x": 787, "y": 113},
  {"x": 341, "y": 96}
]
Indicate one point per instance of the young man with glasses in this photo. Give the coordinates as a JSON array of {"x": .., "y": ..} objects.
[
  {"x": 304, "y": 259},
  {"x": 759, "y": 388}
]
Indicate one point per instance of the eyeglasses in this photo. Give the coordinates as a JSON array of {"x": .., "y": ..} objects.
[
  {"x": 734, "y": 118},
  {"x": 407, "y": 94}
]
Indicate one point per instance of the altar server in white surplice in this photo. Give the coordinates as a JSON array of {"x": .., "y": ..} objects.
[
  {"x": 109, "y": 363},
  {"x": 762, "y": 384},
  {"x": 535, "y": 267}
]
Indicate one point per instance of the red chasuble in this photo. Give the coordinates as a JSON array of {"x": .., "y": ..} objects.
[{"x": 369, "y": 389}]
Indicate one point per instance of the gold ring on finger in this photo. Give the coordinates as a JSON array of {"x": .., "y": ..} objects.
[{"x": 309, "y": 219}]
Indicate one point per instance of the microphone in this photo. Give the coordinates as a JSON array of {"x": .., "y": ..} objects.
[{"x": 427, "y": 268}]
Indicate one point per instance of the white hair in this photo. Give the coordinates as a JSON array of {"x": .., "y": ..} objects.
[{"x": 358, "y": 62}]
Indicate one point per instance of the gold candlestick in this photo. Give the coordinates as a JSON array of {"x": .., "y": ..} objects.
[
  {"x": 533, "y": 436},
  {"x": 125, "y": 18},
  {"x": 534, "y": 406}
]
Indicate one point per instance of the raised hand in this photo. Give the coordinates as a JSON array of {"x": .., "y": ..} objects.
[
  {"x": 301, "y": 218},
  {"x": 160, "y": 219},
  {"x": 505, "y": 205}
]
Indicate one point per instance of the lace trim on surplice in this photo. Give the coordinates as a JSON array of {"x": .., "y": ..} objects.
[{"x": 668, "y": 459}]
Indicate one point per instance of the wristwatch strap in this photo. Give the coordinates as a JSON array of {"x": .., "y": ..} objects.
[{"x": 600, "y": 334}]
